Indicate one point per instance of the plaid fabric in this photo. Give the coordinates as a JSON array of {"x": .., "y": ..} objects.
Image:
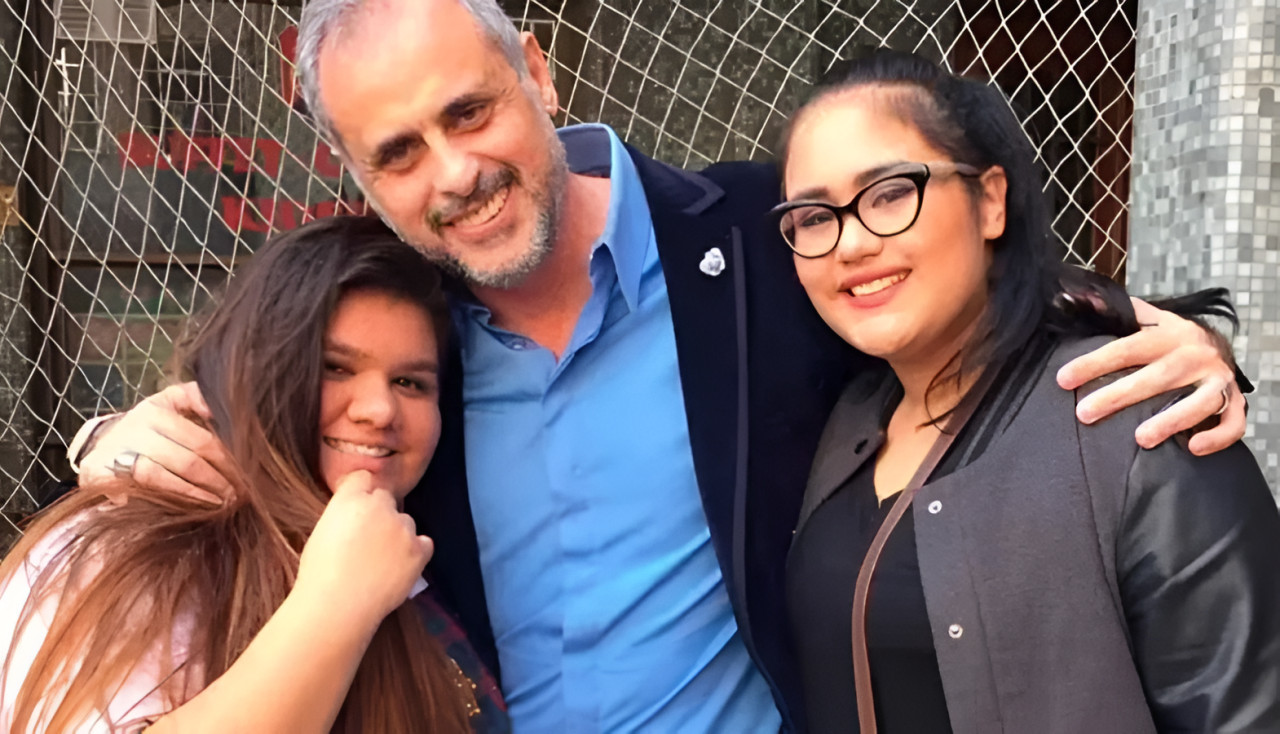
[{"x": 491, "y": 716}]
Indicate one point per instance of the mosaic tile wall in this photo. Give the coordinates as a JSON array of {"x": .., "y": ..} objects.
[{"x": 1203, "y": 209}]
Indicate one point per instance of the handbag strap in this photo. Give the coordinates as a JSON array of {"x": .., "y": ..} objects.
[{"x": 861, "y": 661}]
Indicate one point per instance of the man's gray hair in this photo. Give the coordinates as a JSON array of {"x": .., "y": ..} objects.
[{"x": 322, "y": 19}]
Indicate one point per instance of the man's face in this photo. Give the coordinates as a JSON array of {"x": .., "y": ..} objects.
[{"x": 453, "y": 148}]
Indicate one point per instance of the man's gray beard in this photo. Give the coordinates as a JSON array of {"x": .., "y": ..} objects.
[
  {"x": 512, "y": 274},
  {"x": 541, "y": 241}
]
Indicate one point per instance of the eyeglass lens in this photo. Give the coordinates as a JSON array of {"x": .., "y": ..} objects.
[{"x": 885, "y": 208}]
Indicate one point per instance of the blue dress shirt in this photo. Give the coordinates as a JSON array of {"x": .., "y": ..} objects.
[{"x": 607, "y": 602}]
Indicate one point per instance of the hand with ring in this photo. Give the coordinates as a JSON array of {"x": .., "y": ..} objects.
[
  {"x": 162, "y": 444},
  {"x": 1177, "y": 353},
  {"x": 124, "y": 463},
  {"x": 1226, "y": 400}
]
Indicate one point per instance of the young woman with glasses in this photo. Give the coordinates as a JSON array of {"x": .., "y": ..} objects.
[{"x": 968, "y": 557}]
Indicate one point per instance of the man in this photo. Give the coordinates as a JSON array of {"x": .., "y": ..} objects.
[{"x": 637, "y": 388}]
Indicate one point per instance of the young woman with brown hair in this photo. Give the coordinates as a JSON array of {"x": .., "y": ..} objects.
[{"x": 284, "y": 609}]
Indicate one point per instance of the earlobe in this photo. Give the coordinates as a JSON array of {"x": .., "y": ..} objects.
[
  {"x": 536, "y": 61},
  {"x": 995, "y": 188}
]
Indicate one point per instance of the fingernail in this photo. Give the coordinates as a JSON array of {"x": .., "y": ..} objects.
[
  {"x": 1086, "y": 413},
  {"x": 1063, "y": 377}
]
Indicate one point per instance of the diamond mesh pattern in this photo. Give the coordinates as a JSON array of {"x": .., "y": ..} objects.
[{"x": 151, "y": 146}]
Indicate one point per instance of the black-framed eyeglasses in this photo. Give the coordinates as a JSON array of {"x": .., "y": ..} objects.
[{"x": 886, "y": 207}]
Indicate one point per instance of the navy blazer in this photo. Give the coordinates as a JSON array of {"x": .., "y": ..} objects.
[{"x": 760, "y": 373}]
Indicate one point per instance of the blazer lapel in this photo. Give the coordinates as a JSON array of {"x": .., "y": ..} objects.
[
  {"x": 853, "y": 435},
  {"x": 707, "y": 318}
]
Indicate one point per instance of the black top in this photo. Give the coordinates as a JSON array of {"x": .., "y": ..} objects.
[
  {"x": 822, "y": 571},
  {"x": 821, "y": 574}
]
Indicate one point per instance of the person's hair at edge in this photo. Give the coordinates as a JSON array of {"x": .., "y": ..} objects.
[
  {"x": 1030, "y": 287},
  {"x": 322, "y": 20},
  {"x": 164, "y": 562}
]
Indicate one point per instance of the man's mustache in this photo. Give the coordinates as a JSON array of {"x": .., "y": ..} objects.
[{"x": 487, "y": 185}]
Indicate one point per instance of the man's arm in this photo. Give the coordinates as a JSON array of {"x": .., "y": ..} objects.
[
  {"x": 1173, "y": 353},
  {"x": 176, "y": 450},
  {"x": 179, "y": 454}
]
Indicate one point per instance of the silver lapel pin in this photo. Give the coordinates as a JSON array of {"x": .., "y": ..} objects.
[{"x": 712, "y": 262}]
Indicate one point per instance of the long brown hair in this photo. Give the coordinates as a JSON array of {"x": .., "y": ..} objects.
[{"x": 165, "y": 562}]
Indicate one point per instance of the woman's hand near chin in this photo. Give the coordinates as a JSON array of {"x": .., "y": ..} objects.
[
  {"x": 364, "y": 556},
  {"x": 358, "y": 566}
]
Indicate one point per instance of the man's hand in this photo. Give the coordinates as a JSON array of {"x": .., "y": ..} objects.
[
  {"x": 1172, "y": 353},
  {"x": 175, "y": 453},
  {"x": 364, "y": 555}
]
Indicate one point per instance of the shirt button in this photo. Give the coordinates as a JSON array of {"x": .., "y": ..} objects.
[
  {"x": 955, "y": 631},
  {"x": 935, "y": 507}
]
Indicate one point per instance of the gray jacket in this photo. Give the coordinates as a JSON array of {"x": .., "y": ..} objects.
[{"x": 1076, "y": 583}]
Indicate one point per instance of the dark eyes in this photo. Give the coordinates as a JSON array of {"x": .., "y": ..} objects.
[
  {"x": 400, "y": 154},
  {"x": 397, "y": 155},
  {"x": 891, "y": 192},
  {"x": 471, "y": 116},
  {"x": 816, "y": 218},
  {"x": 415, "y": 385},
  {"x": 425, "y": 386}
]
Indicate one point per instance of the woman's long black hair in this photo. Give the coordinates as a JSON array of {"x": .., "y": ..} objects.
[{"x": 1030, "y": 288}]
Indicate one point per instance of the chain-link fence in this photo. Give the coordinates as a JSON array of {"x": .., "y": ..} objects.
[{"x": 148, "y": 146}]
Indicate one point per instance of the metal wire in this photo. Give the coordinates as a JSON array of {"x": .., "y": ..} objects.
[{"x": 151, "y": 150}]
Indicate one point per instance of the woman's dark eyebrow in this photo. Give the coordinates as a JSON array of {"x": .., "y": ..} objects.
[
  {"x": 343, "y": 350},
  {"x": 872, "y": 174},
  {"x": 822, "y": 193},
  {"x": 420, "y": 365},
  {"x": 813, "y": 193}
]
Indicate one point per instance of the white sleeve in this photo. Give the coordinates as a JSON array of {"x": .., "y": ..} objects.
[{"x": 137, "y": 701}]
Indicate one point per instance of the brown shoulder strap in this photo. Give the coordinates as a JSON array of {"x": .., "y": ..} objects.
[{"x": 861, "y": 662}]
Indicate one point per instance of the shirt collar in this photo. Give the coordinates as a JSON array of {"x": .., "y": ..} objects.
[{"x": 628, "y": 226}]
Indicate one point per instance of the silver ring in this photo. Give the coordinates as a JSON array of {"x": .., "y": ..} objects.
[
  {"x": 1226, "y": 400},
  {"x": 124, "y": 464}
]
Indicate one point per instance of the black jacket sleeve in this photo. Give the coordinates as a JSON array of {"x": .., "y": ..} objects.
[{"x": 1198, "y": 561}]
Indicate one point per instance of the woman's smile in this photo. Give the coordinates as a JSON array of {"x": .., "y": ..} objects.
[
  {"x": 871, "y": 291},
  {"x": 360, "y": 449}
]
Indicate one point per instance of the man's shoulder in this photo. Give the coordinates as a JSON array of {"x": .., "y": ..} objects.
[
  {"x": 753, "y": 171},
  {"x": 729, "y": 179},
  {"x": 746, "y": 178}
]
